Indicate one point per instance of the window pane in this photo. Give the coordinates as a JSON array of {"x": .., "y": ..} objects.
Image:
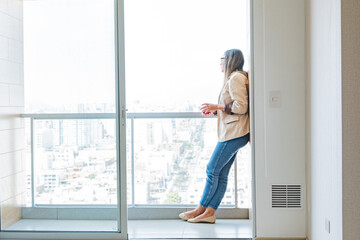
[
  {"x": 69, "y": 56},
  {"x": 69, "y": 67},
  {"x": 244, "y": 176},
  {"x": 75, "y": 161},
  {"x": 173, "y": 51},
  {"x": 170, "y": 158}
]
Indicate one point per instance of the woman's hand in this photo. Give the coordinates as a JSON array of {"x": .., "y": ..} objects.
[{"x": 208, "y": 108}]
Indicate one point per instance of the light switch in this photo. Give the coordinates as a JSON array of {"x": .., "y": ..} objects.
[{"x": 275, "y": 99}]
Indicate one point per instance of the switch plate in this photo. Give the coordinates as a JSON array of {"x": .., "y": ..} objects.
[{"x": 275, "y": 99}]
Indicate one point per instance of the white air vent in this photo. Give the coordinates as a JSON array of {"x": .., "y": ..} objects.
[{"x": 286, "y": 196}]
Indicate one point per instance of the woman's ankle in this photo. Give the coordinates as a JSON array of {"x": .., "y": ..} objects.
[
  {"x": 210, "y": 211},
  {"x": 206, "y": 214},
  {"x": 200, "y": 209}
]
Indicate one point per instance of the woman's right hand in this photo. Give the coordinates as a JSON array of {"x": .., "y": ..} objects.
[{"x": 207, "y": 109}]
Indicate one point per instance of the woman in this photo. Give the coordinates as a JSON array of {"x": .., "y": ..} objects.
[{"x": 233, "y": 133}]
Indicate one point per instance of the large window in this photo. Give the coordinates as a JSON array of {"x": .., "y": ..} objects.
[
  {"x": 70, "y": 96},
  {"x": 172, "y": 52},
  {"x": 70, "y": 68}
]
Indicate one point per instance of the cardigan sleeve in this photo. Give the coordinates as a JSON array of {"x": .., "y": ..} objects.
[
  {"x": 239, "y": 94},
  {"x": 228, "y": 107}
]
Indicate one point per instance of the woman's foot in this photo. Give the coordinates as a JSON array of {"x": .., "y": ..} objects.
[
  {"x": 193, "y": 213},
  {"x": 210, "y": 219},
  {"x": 207, "y": 216}
]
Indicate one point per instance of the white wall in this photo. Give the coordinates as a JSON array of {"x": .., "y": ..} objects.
[
  {"x": 12, "y": 135},
  {"x": 324, "y": 118},
  {"x": 279, "y": 65}
]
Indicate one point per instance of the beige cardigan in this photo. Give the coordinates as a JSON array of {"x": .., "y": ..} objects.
[{"x": 234, "y": 122}]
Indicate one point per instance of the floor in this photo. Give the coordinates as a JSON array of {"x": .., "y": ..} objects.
[{"x": 142, "y": 229}]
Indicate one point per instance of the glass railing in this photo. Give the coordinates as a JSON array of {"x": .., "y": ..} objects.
[{"x": 72, "y": 160}]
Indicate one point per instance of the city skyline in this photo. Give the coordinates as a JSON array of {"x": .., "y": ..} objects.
[{"x": 169, "y": 155}]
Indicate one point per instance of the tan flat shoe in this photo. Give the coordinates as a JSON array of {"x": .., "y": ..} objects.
[
  {"x": 211, "y": 219},
  {"x": 183, "y": 216}
]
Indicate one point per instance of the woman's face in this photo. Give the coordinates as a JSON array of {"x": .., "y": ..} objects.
[{"x": 222, "y": 64}]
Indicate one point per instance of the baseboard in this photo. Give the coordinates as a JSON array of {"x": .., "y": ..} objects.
[
  {"x": 134, "y": 213},
  {"x": 264, "y": 238}
]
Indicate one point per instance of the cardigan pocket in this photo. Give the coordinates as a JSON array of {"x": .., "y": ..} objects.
[{"x": 231, "y": 118}]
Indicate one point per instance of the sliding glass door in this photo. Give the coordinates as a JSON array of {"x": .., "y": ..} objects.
[
  {"x": 74, "y": 121},
  {"x": 173, "y": 51}
]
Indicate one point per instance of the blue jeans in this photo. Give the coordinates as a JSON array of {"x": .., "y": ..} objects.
[{"x": 218, "y": 170}]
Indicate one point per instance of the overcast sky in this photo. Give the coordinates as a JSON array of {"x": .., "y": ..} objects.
[{"x": 172, "y": 47}]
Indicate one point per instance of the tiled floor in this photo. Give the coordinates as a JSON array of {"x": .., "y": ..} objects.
[
  {"x": 223, "y": 228},
  {"x": 63, "y": 225}
]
